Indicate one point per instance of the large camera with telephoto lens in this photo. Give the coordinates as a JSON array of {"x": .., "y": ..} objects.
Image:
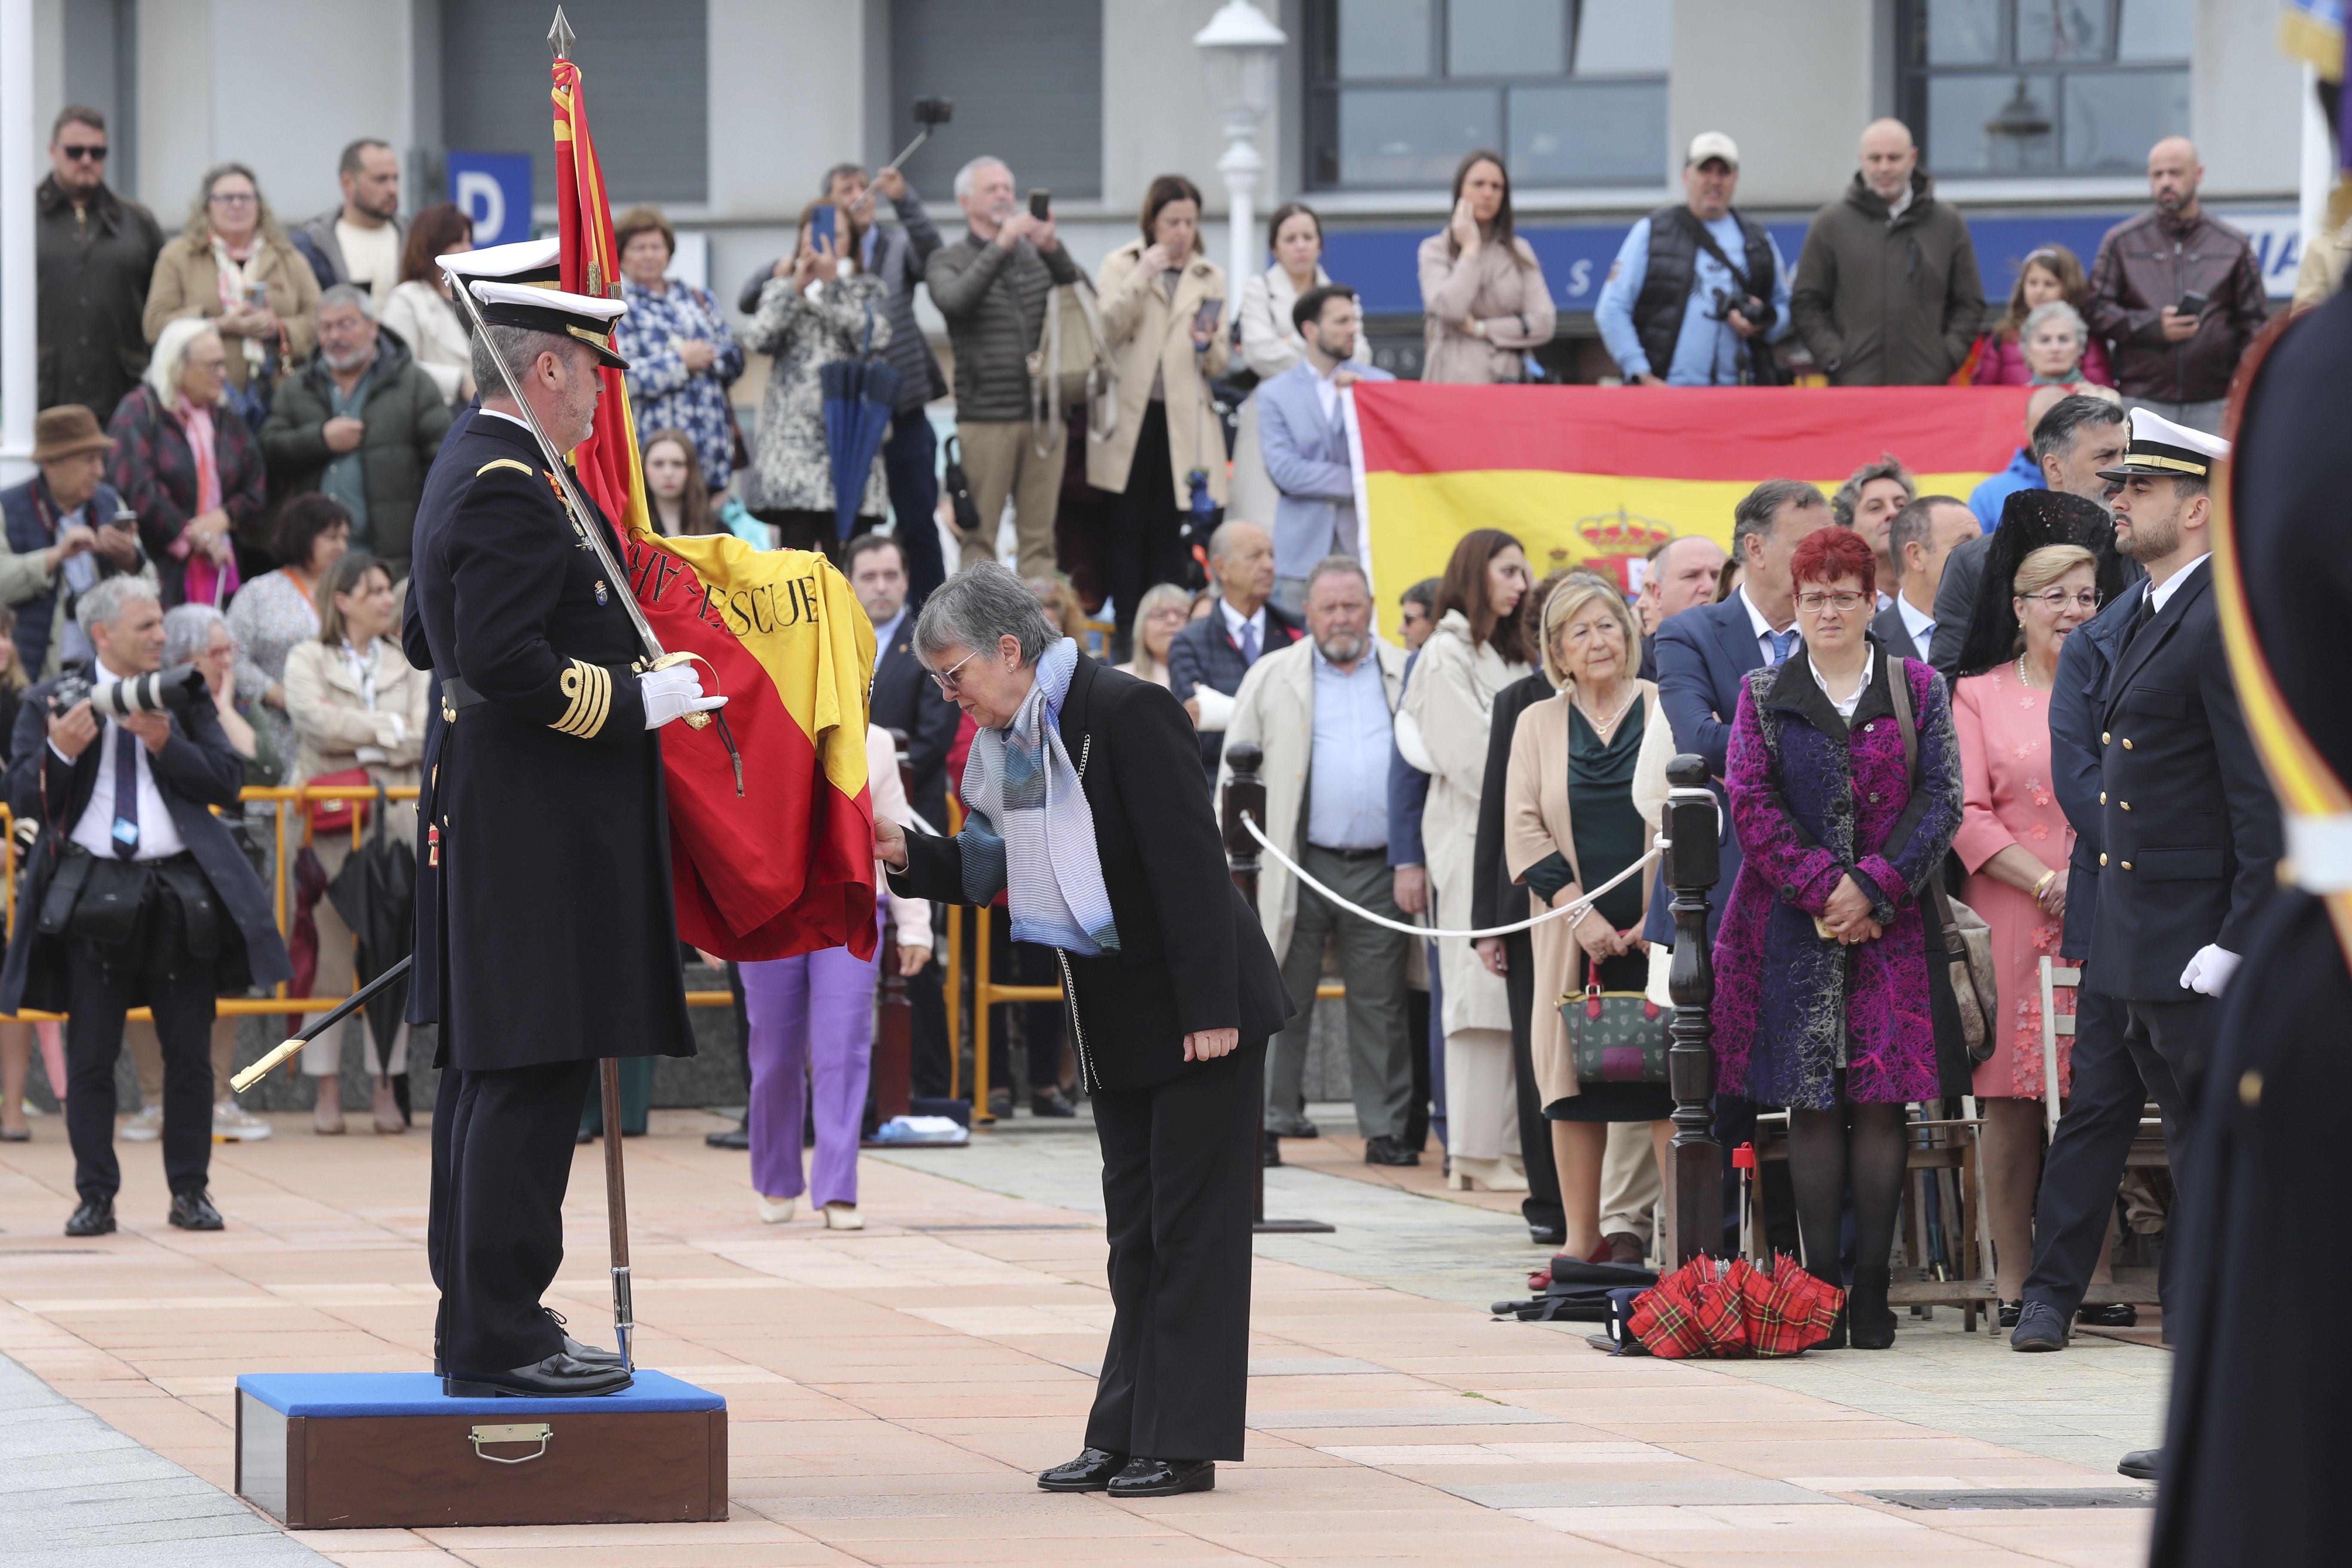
[
  {"x": 1760, "y": 313},
  {"x": 119, "y": 697}
]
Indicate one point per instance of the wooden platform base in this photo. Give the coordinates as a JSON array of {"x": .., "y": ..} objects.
[{"x": 389, "y": 1450}]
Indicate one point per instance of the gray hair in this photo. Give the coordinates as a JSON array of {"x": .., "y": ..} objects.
[
  {"x": 2055, "y": 310},
  {"x": 1759, "y": 507},
  {"x": 518, "y": 347},
  {"x": 169, "y": 357},
  {"x": 1336, "y": 566},
  {"x": 1915, "y": 524},
  {"x": 188, "y": 632},
  {"x": 103, "y": 604},
  {"x": 357, "y": 297},
  {"x": 971, "y": 172},
  {"x": 1220, "y": 542},
  {"x": 976, "y": 608}
]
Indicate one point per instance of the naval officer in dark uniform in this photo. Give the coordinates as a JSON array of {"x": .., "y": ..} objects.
[
  {"x": 551, "y": 923},
  {"x": 2256, "y": 1444}
]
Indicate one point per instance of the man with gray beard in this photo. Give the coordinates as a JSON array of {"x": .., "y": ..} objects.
[
  {"x": 362, "y": 422},
  {"x": 1323, "y": 709}
]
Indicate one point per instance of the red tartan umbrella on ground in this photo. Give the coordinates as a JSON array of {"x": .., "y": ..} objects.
[{"x": 1709, "y": 1309}]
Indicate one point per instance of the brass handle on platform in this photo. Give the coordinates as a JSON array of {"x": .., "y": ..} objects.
[{"x": 531, "y": 1432}]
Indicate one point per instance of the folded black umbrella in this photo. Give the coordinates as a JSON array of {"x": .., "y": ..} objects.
[{"x": 375, "y": 892}]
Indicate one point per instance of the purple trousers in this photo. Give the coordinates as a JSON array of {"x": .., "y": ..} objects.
[{"x": 812, "y": 1022}]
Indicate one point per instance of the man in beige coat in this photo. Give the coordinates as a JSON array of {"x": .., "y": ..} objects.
[{"x": 1323, "y": 711}]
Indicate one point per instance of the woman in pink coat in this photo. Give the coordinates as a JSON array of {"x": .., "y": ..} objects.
[{"x": 2050, "y": 272}]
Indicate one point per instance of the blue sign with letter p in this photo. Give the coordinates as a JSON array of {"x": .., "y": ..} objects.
[{"x": 494, "y": 190}]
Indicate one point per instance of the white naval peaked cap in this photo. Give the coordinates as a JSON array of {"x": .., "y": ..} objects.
[
  {"x": 521, "y": 261},
  {"x": 543, "y": 308},
  {"x": 2159, "y": 446}
]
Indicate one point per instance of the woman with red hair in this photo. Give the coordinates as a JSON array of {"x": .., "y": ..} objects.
[{"x": 1823, "y": 998}]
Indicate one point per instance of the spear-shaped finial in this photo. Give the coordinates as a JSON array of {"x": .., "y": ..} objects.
[{"x": 560, "y": 38}]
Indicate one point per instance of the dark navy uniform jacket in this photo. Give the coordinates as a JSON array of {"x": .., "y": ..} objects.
[{"x": 545, "y": 929}]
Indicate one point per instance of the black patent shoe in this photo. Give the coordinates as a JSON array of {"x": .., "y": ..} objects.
[
  {"x": 1836, "y": 1341},
  {"x": 1090, "y": 1472},
  {"x": 559, "y": 1376},
  {"x": 734, "y": 1138},
  {"x": 2141, "y": 1464},
  {"x": 1384, "y": 1150},
  {"x": 194, "y": 1210},
  {"x": 1051, "y": 1101},
  {"x": 2115, "y": 1315},
  {"x": 579, "y": 1350},
  {"x": 2006, "y": 1313},
  {"x": 95, "y": 1217},
  {"x": 1164, "y": 1478}
]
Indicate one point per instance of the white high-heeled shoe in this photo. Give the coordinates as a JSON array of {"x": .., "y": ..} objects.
[
  {"x": 776, "y": 1211},
  {"x": 843, "y": 1217},
  {"x": 1495, "y": 1175}
]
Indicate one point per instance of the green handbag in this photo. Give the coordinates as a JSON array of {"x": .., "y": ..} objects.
[{"x": 1616, "y": 1037}]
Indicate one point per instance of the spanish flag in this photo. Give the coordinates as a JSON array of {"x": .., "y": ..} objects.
[
  {"x": 1594, "y": 475},
  {"x": 784, "y": 863}
]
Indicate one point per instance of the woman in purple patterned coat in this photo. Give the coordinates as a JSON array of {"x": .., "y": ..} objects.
[{"x": 1822, "y": 999}]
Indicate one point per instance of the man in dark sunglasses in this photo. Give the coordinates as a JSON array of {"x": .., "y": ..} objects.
[{"x": 95, "y": 255}]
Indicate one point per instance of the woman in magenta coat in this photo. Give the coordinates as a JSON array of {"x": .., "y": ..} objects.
[
  {"x": 2050, "y": 272},
  {"x": 1823, "y": 998}
]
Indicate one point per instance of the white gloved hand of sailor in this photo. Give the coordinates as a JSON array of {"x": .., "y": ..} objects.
[
  {"x": 2210, "y": 970},
  {"x": 673, "y": 693}
]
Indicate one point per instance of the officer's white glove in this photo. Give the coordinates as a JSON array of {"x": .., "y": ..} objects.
[
  {"x": 1217, "y": 707},
  {"x": 673, "y": 693},
  {"x": 2210, "y": 970}
]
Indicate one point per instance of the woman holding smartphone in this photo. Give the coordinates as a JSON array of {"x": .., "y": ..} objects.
[{"x": 1163, "y": 321}]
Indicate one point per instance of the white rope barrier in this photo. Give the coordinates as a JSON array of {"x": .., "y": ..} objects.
[{"x": 1579, "y": 908}]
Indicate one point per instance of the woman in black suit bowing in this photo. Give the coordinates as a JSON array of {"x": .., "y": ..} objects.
[{"x": 1086, "y": 804}]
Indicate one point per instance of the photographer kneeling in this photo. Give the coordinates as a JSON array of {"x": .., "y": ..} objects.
[{"x": 137, "y": 895}]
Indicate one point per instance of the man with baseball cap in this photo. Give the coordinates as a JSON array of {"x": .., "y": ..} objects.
[
  {"x": 1697, "y": 292},
  {"x": 61, "y": 538}
]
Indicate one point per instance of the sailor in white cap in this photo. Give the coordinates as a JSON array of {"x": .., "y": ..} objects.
[{"x": 546, "y": 931}]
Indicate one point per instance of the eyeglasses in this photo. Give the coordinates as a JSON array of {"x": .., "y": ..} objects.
[
  {"x": 948, "y": 681},
  {"x": 2085, "y": 599},
  {"x": 1813, "y": 604},
  {"x": 85, "y": 154},
  {"x": 233, "y": 199},
  {"x": 1171, "y": 612}
]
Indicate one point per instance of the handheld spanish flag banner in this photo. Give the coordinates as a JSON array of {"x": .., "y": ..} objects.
[
  {"x": 785, "y": 865},
  {"x": 1596, "y": 475}
]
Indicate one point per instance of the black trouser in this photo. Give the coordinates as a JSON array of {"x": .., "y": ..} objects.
[
  {"x": 1541, "y": 1207},
  {"x": 1012, "y": 962},
  {"x": 930, "y": 1048},
  {"x": 1416, "y": 1029},
  {"x": 1146, "y": 544},
  {"x": 910, "y": 467},
  {"x": 1178, "y": 1168},
  {"x": 2119, "y": 1064},
  {"x": 503, "y": 1146},
  {"x": 97, "y": 999}
]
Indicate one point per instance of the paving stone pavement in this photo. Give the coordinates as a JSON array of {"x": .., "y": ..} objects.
[{"x": 892, "y": 1392}]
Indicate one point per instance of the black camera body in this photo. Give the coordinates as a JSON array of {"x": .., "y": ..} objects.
[
  {"x": 119, "y": 697},
  {"x": 1760, "y": 313}
]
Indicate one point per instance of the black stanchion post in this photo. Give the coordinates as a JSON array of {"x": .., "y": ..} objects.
[
  {"x": 1245, "y": 794},
  {"x": 1694, "y": 1174}
]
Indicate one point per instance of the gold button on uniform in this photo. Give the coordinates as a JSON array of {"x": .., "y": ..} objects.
[
  {"x": 2102, "y": 797},
  {"x": 2126, "y": 865},
  {"x": 2105, "y": 737},
  {"x": 2127, "y": 745},
  {"x": 2249, "y": 1089},
  {"x": 2103, "y": 857},
  {"x": 2126, "y": 805}
]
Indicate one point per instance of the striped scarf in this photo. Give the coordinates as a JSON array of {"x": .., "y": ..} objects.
[{"x": 1031, "y": 830}]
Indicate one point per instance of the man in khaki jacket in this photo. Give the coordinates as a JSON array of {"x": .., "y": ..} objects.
[{"x": 1323, "y": 711}]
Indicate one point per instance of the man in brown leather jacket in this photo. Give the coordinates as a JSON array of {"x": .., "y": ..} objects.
[{"x": 2171, "y": 353}]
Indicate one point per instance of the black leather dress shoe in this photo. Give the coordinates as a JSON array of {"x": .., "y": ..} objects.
[
  {"x": 559, "y": 1376},
  {"x": 1164, "y": 1478},
  {"x": 1547, "y": 1234},
  {"x": 1051, "y": 1101},
  {"x": 195, "y": 1211},
  {"x": 739, "y": 1137},
  {"x": 1090, "y": 1472},
  {"x": 1387, "y": 1151},
  {"x": 2114, "y": 1315},
  {"x": 1289, "y": 1124},
  {"x": 95, "y": 1217},
  {"x": 578, "y": 1350},
  {"x": 2140, "y": 1464}
]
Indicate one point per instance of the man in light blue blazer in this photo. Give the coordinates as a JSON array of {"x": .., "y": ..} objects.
[{"x": 1303, "y": 431}]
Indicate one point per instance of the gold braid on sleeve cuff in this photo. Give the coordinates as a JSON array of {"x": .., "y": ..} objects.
[{"x": 590, "y": 689}]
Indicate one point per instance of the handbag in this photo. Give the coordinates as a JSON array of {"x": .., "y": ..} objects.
[
  {"x": 334, "y": 813},
  {"x": 959, "y": 492},
  {"x": 1616, "y": 1037},
  {"x": 1967, "y": 941},
  {"x": 1070, "y": 366}
]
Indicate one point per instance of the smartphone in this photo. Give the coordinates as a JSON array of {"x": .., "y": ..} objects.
[
  {"x": 2193, "y": 303},
  {"x": 820, "y": 228},
  {"x": 1039, "y": 205},
  {"x": 256, "y": 296},
  {"x": 1204, "y": 320}
]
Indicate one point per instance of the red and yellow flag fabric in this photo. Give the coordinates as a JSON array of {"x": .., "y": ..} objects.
[
  {"x": 1596, "y": 475},
  {"x": 784, "y": 863}
]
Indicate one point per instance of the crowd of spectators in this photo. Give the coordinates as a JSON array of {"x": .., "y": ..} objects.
[{"x": 242, "y": 416}]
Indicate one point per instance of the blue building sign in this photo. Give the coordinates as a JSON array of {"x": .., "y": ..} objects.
[{"x": 494, "y": 190}]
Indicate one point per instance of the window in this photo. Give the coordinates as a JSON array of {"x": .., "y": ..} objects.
[
  {"x": 2045, "y": 87},
  {"x": 1573, "y": 92},
  {"x": 1026, "y": 77}
]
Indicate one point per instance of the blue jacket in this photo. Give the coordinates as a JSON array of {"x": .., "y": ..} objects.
[
  {"x": 1407, "y": 793},
  {"x": 1704, "y": 654},
  {"x": 1993, "y": 493},
  {"x": 1306, "y": 458},
  {"x": 2076, "y": 696}
]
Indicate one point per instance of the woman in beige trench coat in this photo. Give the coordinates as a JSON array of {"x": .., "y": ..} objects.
[
  {"x": 1570, "y": 819},
  {"x": 1163, "y": 308},
  {"x": 1479, "y": 648}
]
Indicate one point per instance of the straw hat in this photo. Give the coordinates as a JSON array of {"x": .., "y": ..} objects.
[{"x": 68, "y": 431}]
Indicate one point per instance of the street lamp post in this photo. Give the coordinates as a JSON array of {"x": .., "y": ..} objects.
[{"x": 1238, "y": 49}]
